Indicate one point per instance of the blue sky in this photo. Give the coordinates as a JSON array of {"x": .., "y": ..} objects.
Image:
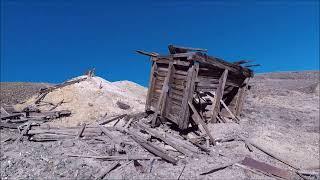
[{"x": 51, "y": 41}]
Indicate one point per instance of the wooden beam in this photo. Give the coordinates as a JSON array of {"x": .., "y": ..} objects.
[
  {"x": 152, "y": 80},
  {"x": 166, "y": 99},
  {"x": 148, "y": 146},
  {"x": 219, "y": 95},
  {"x": 241, "y": 95},
  {"x": 165, "y": 139},
  {"x": 188, "y": 95},
  {"x": 199, "y": 121},
  {"x": 229, "y": 111},
  {"x": 164, "y": 91},
  {"x": 67, "y": 83}
]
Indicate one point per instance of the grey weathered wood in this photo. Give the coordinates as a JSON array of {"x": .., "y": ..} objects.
[
  {"x": 112, "y": 119},
  {"x": 8, "y": 125},
  {"x": 219, "y": 95},
  {"x": 12, "y": 116},
  {"x": 3, "y": 112},
  {"x": 47, "y": 90},
  {"x": 40, "y": 97},
  {"x": 188, "y": 95},
  {"x": 24, "y": 132},
  {"x": 152, "y": 80},
  {"x": 165, "y": 88},
  {"x": 198, "y": 120},
  {"x": 232, "y": 115},
  {"x": 240, "y": 97},
  {"x": 148, "y": 146},
  {"x": 153, "y": 149},
  {"x": 107, "y": 170},
  {"x": 168, "y": 80},
  {"x": 114, "y": 158},
  {"x": 165, "y": 139}
]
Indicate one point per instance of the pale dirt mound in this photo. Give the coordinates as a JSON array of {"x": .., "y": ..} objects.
[
  {"x": 132, "y": 88},
  {"x": 92, "y": 99}
]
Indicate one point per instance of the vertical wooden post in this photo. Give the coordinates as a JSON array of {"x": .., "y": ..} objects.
[
  {"x": 166, "y": 100},
  {"x": 241, "y": 95},
  {"x": 166, "y": 106},
  {"x": 219, "y": 95},
  {"x": 188, "y": 95},
  {"x": 152, "y": 80},
  {"x": 164, "y": 92}
]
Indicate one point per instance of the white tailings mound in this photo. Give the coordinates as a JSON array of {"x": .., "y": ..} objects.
[{"x": 93, "y": 99}]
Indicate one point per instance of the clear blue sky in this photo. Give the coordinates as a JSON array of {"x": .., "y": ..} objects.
[{"x": 51, "y": 41}]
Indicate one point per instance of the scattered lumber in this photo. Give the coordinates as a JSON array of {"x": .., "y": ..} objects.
[
  {"x": 107, "y": 170},
  {"x": 30, "y": 114},
  {"x": 24, "y": 132},
  {"x": 148, "y": 146},
  {"x": 49, "y": 89},
  {"x": 12, "y": 116},
  {"x": 113, "y": 158},
  {"x": 198, "y": 120},
  {"x": 8, "y": 125},
  {"x": 165, "y": 139},
  {"x": 154, "y": 149},
  {"x": 196, "y": 143},
  {"x": 112, "y": 119}
]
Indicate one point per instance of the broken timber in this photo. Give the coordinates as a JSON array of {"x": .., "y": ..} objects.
[{"x": 187, "y": 73}]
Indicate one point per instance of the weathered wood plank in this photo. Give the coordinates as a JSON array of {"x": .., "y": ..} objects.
[
  {"x": 240, "y": 97},
  {"x": 151, "y": 86},
  {"x": 199, "y": 121},
  {"x": 219, "y": 95},
  {"x": 165, "y": 88},
  {"x": 165, "y": 139},
  {"x": 188, "y": 95}
]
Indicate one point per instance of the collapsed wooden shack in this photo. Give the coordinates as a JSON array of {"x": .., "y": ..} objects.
[{"x": 189, "y": 87}]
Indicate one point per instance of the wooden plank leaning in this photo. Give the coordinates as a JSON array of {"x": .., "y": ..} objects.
[
  {"x": 188, "y": 95},
  {"x": 240, "y": 96},
  {"x": 219, "y": 95},
  {"x": 234, "y": 118},
  {"x": 199, "y": 121}
]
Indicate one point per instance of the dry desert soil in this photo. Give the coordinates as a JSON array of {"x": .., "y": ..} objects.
[{"x": 281, "y": 114}]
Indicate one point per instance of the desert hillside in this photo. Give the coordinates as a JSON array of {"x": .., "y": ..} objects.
[{"x": 281, "y": 114}]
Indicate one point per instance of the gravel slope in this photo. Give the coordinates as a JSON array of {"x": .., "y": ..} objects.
[{"x": 15, "y": 92}]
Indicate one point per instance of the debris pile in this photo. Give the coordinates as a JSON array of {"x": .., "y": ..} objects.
[{"x": 89, "y": 99}]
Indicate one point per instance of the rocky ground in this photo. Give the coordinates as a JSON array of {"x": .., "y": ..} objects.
[{"x": 281, "y": 114}]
